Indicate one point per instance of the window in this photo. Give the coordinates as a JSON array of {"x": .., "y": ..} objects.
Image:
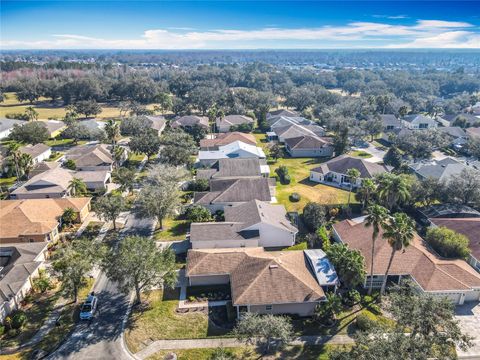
[
  {"x": 268, "y": 307},
  {"x": 423, "y": 126}
]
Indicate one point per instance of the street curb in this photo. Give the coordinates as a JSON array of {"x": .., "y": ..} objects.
[{"x": 124, "y": 323}]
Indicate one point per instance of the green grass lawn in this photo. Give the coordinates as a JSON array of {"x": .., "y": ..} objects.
[
  {"x": 64, "y": 142},
  {"x": 250, "y": 353},
  {"x": 7, "y": 182},
  {"x": 160, "y": 321},
  {"x": 299, "y": 171},
  {"x": 172, "y": 230},
  {"x": 360, "y": 153}
]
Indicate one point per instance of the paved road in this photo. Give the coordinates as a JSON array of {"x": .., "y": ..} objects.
[{"x": 101, "y": 338}]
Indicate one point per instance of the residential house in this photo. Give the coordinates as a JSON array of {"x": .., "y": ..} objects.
[
  {"x": 225, "y": 193},
  {"x": 158, "y": 123},
  {"x": 451, "y": 278},
  {"x": 457, "y": 136},
  {"x": 235, "y": 169},
  {"x": 282, "y": 112},
  {"x": 54, "y": 183},
  {"x": 6, "y": 126},
  {"x": 225, "y": 123},
  {"x": 334, "y": 171},
  {"x": 451, "y": 211},
  {"x": 35, "y": 220},
  {"x": 43, "y": 166},
  {"x": 461, "y": 119},
  {"x": 189, "y": 121},
  {"x": 226, "y": 139},
  {"x": 54, "y": 127},
  {"x": 419, "y": 122},
  {"x": 263, "y": 282},
  {"x": 19, "y": 266},
  {"x": 279, "y": 121},
  {"x": 309, "y": 146},
  {"x": 474, "y": 109},
  {"x": 237, "y": 150},
  {"x": 473, "y": 132},
  {"x": 91, "y": 157},
  {"x": 282, "y": 133},
  {"x": 39, "y": 152},
  {"x": 390, "y": 122},
  {"x": 470, "y": 227},
  {"x": 438, "y": 169},
  {"x": 93, "y": 124},
  {"x": 251, "y": 224}
]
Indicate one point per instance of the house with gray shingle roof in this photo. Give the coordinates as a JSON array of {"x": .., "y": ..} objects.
[
  {"x": 188, "y": 121},
  {"x": 390, "y": 122},
  {"x": 419, "y": 122},
  {"x": 225, "y": 123},
  {"x": 235, "y": 169},
  {"x": 38, "y": 152},
  {"x": 6, "y": 126},
  {"x": 282, "y": 112},
  {"x": 334, "y": 171},
  {"x": 438, "y": 169},
  {"x": 251, "y": 224},
  {"x": 309, "y": 146}
]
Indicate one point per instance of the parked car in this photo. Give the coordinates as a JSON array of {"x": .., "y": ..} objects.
[{"x": 88, "y": 308}]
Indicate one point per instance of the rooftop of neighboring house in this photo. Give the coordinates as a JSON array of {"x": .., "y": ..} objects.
[
  {"x": 470, "y": 227},
  {"x": 6, "y": 124},
  {"x": 438, "y": 169},
  {"x": 257, "y": 276},
  {"x": 295, "y": 130},
  {"x": 43, "y": 166},
  {"x": 473, "y": 132},
  {"x": 54, "y": 125},
  {"x": 232, "y": 168},
  {"x": 472, "y": 119},
  {"x": 190, "y": 120},
  {"x": 430, "y": 271},
  {"x": 234, "y": 120},
  {"x": 448, "y": 211},
  {"x": 34, "y": 216},
  {"x": 239, "y": 218},
  {"x": 453, "y": 131},
  {"x": 230, "y": 150},
  {"x": 417, "y": 118},
  {"x": 17, "y": 263},
  {"x": 283, "y": 112},
  {"x": 342, "y": 163},
  {"x": 227, "y": 138},
  {"x": 235, "y": 190},
  {"x": 279, "y": 121},
  {"x": 158, "y": 122},
  {"x": 90, "y": 155},
  {"x": 308, "y": 142},
  {"x": 390, "y": 120},
  {"x": 34, "y": 150}
]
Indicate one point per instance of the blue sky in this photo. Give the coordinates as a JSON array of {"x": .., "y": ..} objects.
[{"x": 238, "y": 24}]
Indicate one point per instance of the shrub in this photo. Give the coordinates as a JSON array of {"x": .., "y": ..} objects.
[
  {"x": 367, "y": 299},
  {"x": 18, "y": 319},
  {"x": 12, "y": 333},
  {"x": 374, "y": 309},
  {"x": 70, "y": 164},
  {"x": 448, "y": 243},
  {"x": 282, "y": 172},
  {"x": 198, "y": 213},
  {"x": 313, "y": 215},
  {"x": 364, "y": 323},
  {"x": 42, "y": 283},
  {"x": 294, "y": 197},
  {"x": 17, "y": 116},
  {"x": 192, "y": 298},
  {"x": 351, "y": 297},
  {"x": 286, "y": 179},
  {"x": 199, "y": 185},
  {"x": 2, "y": 330}
]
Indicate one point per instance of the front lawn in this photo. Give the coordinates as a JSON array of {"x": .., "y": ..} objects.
[
  {"x": 173, "y": 229},
  {"x": 160, "y": 321},
  {"x": 360, "y": 154}
]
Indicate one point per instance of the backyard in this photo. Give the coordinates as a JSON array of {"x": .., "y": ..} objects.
[{"x": 173, "y": 230}]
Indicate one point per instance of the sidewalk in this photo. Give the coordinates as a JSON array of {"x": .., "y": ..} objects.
[{"x": 231, "y": 342}]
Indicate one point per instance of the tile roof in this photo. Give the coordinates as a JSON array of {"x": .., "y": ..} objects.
[
  {"x": 34, "y": 216},
  {"x": 231, "y": 168},
  {"x": 234, "y": 190},
  {"x": 342, "y": 163},
  {"x": 227, "y": 138},
  {"x": 308, "y": 142},
  {"x": 430, "y": 271},
  {"x": 470, "y": 227},
  {"x": 258, "y": 277}
]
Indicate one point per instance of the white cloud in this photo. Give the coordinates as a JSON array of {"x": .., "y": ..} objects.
[{"x": 424, "y": 33}]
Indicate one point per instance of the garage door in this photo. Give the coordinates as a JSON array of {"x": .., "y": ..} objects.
[{"x": 472, "y": 295}]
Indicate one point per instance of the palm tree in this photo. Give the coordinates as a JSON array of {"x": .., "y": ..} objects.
[
  {"x": 353, "y": 174},
  {"x": 76, "y": 187},
  {"x": 377, "y": 217},
  {"x": 399, "y": 232},
  {"x": 25, "y": 163},
  {"x": 117, "y": 153},
  {"x": 31, "y": 113},
  {"x": 366, "y": 191},
  {"x": 393, "y": 189},
  {"x": 15, "y": 153},
  {"x": 112, "y": 130}
]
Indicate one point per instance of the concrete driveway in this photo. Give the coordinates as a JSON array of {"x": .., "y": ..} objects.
[
  {"x": 468, "y": 316},
  {"x": 377, "y": 154}
]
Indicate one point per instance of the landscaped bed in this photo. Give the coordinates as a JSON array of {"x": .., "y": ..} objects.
[{"x": 208, "y": 293}]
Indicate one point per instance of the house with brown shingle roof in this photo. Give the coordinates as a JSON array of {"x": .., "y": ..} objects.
[
  {"x": 334, "y": 171},
  {"x": 34, "y": 220},
  {"x": 452, "y": 278},
  {"x": 225, "y": 193},
  {"x": 225, "y": 123},
  {"x": 91, "y": 157},
  {"x": 309, "y": 146},
  {"x": 272, "y": 282},
  {"x": 189, "y": 121},
  {"x": 252, "y": 224},
  {"x": 235, "y": 168},
  {"x": 226, "y": 139}
]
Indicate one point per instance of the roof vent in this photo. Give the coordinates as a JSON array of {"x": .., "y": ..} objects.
[{"x": 273, "y": 266}]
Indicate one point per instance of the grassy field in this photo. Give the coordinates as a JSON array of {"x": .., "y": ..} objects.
[
  {"x": 250, "y": 353},
  {"x": 160, "y": 321},
  {"x": 172, "y": 230}
]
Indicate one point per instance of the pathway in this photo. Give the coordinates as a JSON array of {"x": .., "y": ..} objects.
[{"x": 231, "y": 342}]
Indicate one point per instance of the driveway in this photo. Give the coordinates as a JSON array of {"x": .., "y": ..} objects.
[
  {"x": 377, "y": 154},
  {"x": 468, "y": 316}
]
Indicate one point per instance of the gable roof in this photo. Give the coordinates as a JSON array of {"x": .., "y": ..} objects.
[
  {"x": 34, "y": 150},
  {"x": 430, "y": 271},
  {"x": 279, "y": 121},
  {"x": 472, "y": 119},
  {"x": 34, "y": 216},
  {"x": 453, "y": 131},
  {"x": 6, "y": 124},
  {"x": 51, "y": 181},
  {"x": 473, "y": 132},
  {"x": 418, "y": 118},
  {"x": 438, "y": 169},
  {"x": 190, "y": 120},
  {"x": 308, "y": 142},
  {"x": 282, "y": 112},
  {"x": 234, "y": 190},
  {"x": 231, "y": 151},
  {"x": 231, "y": 168},
  {"x": 157, "y": 122},
  {"x": 390, "y": 120},
  {"x": 54, "y": 125},
  {"x": 90, "y": 155},
  {"x": 342, "y": 163},
  {"x": 234, "y": 120},
  {"x": 259, "y": 277},
  {"x": 295, "y": 130},
  {"x": 227, "y": 138},
  {"x": 43, "y": 166}
]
